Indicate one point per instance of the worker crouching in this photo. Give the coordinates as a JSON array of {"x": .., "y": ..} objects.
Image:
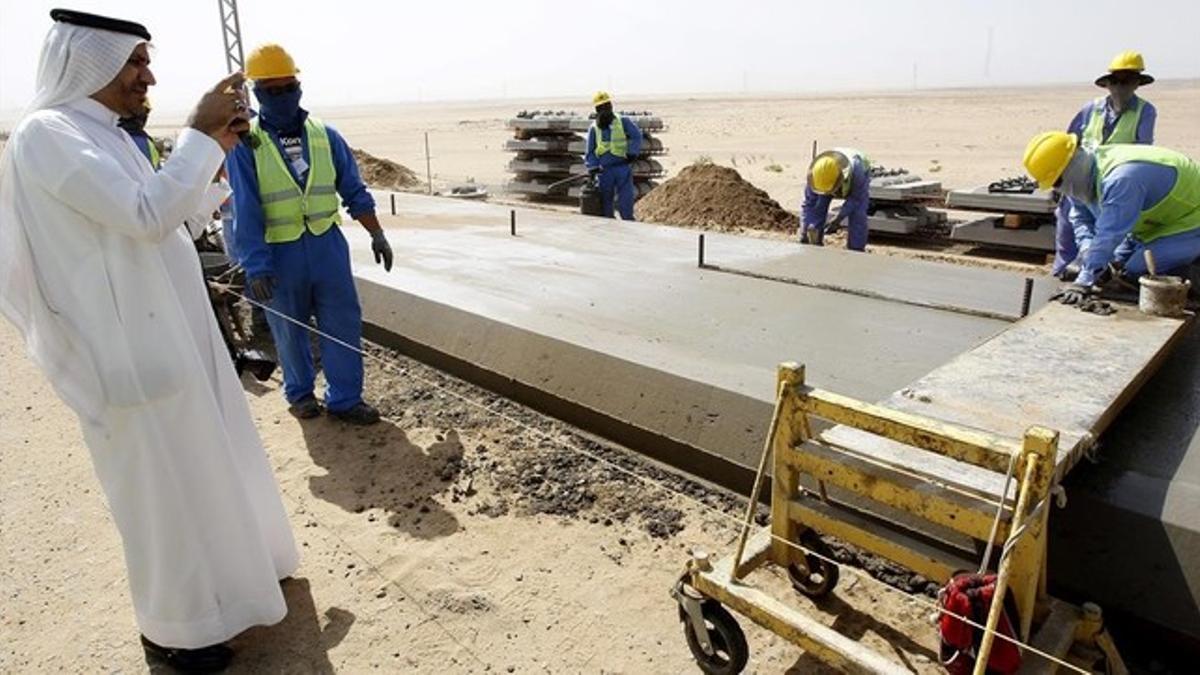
[{"x": 841, "y": 173}]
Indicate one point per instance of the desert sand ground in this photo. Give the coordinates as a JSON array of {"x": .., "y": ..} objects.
[
  {"x": 424, "y": 548},
  {"x": 975, "y": 136}
]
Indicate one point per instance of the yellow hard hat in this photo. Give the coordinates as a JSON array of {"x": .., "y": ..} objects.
[
  {"x": 1047, "y": 156},
  {"x": 1127, "y": 61},
  {"x": 824, "y": 174},
  {"x": 270, "y": 61},
  {"x": 601, "y": 98}
]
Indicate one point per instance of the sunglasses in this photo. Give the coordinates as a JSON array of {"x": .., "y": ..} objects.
[{"x": 289, "y": 88}]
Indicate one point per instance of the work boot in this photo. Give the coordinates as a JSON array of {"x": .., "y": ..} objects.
[
  {"x": 210, "y": 659},
  {"x": 306, "y": 408},
  {"x": 361, "y": 414}
]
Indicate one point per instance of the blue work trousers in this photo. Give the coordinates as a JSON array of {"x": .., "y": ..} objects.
[
  {"x": 1066, "y": 250},
  {"x": 617, "y": 180},
  {"x": 314, "y": 280},
  {"x": 1172, "y": 254}
]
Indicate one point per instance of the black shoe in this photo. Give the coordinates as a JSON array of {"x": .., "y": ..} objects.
[
  {"x": 361, "y": 414},
  {"x": 306, "y": 408},
  {"x": 210, "y": 659}
]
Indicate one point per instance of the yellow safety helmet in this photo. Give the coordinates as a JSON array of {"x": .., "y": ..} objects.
[
  {"x": 601, "y": 98},
  {"x": 824, "y": 174},
  {"x": 270, "y": 61},
  {"x": 1047, "y": 156},
  {"x": 1127, "y": 61}
]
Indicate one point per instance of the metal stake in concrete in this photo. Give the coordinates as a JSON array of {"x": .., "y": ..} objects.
[
  {"x": 700, "y": 254},
  {"x": 512, "y": 224},
  {"x": 1027, "y": 297},
  {"x": 393, "y": 195},
  {"x": 428, "y": 172},
  {"x": 814, "y": 151}
]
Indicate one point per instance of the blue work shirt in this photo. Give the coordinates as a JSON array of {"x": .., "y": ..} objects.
[
  {"x": 1125, "y": 193},
  {"x": 815, "y": 209},
  {"x": 1145, "y": 129},
  {"x": 633, "y": 139},
  {"x": 250, "y": 244}
]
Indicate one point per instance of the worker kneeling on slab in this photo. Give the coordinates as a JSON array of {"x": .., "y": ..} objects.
[
  {"x": 841, "y": 173},
  {"x": 286, "y": 183},
  {"x": 613, "y": 145},
  {"x": 1126, "y": 200}
]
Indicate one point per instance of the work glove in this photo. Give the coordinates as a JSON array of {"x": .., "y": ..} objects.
[
  {"x": 595, "y": 171},
  {"x": 381, "y": 249},
  {"x": 1096, "y": 306},
  {"x": 262, "y": 288},
  {"x": 631, "y": 160},
  {"x": 834, "y": 224},
  {"x": 1074, "y": 294}
]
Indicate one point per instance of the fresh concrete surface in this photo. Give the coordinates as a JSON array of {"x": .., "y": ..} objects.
[{"x": 613, "y": 326}]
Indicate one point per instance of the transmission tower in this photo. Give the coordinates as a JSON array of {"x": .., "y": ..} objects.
[{"x": 231, "y": 32}]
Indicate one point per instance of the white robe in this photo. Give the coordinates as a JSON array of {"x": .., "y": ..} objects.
[{"x": 137, "y": 354}]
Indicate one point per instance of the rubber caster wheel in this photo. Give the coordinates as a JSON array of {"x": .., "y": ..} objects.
[
  {"x": 822, "y": 575},
  {"x": 730, "y": 651}
]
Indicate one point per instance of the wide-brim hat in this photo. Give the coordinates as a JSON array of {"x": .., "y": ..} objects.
[{"x": 1143, "y": 78}]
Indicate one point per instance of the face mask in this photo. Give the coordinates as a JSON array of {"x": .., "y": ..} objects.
[
  {"x": 604, "y": 118},
  {"x": 134, "y": 124},
  {"x": 282, "y": 109},
  {"x": 1078, "y": 183}
]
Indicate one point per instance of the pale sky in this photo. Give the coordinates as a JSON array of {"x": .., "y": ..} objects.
[{"x": 368, "y": 51}]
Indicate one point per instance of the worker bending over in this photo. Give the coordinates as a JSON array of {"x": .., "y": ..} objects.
[
  {"x": 1120, "y": 117},
  {"x": 613, "y": 145},
  {"x": 840, "y": 173},
  {"x": 288, "y": 239},
  {"x": 1126, "y": 199}
]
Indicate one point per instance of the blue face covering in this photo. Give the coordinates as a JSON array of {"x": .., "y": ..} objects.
[{"x": 280, "y": 110}]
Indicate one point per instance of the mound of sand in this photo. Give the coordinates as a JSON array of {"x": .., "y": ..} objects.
[
  {"x": 384, "y": 174},
  {"x": 713, "y": 197}
]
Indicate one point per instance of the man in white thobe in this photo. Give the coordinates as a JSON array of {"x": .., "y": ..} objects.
[{"x": 102, "y": 280}]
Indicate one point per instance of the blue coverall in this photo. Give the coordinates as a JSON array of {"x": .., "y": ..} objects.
[
  {"x": 616, "y": 175},
  {"x": 1102, "y": 228},
  {"x": 815, "y": 210},
  {"x": 1066, "y": 249},
  {"x": 313, "y": 276}
]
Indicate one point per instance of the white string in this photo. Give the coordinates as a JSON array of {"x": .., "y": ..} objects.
[
  {"x": 653, "y": 483},
  {"x": 987, "y": 551}
]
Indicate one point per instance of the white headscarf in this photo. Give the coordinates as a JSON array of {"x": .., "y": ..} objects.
[{"x": 76, "y": 62}]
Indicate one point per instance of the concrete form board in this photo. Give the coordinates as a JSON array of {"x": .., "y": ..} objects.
[
  {"x": 905, "y": 191},
  {"x": 980, "y": 199},
  {"x": 987, "y": 231}
]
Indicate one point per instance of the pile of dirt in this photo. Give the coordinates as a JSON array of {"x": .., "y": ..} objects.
[
  {"x": 384, "y": 174},
  {"x": 713, "y": 197}
]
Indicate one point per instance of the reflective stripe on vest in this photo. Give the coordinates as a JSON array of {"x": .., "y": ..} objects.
[
  {"x": 286, "y": 210},
  {"x": 1179, "y": 211},
  {"x": 851, "y": 156},
  {"x": 617, "y": 144},
  {"x": 1125, "y": 130}
]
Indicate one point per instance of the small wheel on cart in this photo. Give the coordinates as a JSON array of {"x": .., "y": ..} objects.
[
  {"x": 822, "y": 574},
  {"x": 730, "y": 651}
]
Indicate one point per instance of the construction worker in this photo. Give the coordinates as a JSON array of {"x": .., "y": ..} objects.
[
  {"x": 1120, "y": 117},
  {"x": 1126, "y": 200},
  {"x": 288, "y": 238},
  {"x": 613, "y": 145},
  {"x": 841, "y": 173}
]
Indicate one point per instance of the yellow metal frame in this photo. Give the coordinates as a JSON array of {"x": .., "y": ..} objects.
[{"x": 1020, "y": 528}]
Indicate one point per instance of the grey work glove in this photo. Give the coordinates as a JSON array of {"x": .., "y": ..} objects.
[
  {"x": 262, "y": 288},
  {"x": 381, "y": 249},
  {"x": 1074, "y": 294},
  {"x": 1095, "y": 305},
  {"x": 834, "y": 224}
]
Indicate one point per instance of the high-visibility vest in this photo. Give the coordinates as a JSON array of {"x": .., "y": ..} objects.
[
  {"x": 617, "y": 144},
  {"x": 1125, "y": 130},
  {"x": 842, "y": 189},
  {"x": 287, "y": 210},
  {"x": 1177, "y": 212},
  {"x": 155, "y": 156}
]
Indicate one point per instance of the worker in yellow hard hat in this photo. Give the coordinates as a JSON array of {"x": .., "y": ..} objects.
[
  {"x": 1119, "y": 117},
  {"x": 287, "y": 230},
  {"x": 840, "y": 173},
  {"x": 1126, "y": 200},
  {"x": 613, "y": 145}
]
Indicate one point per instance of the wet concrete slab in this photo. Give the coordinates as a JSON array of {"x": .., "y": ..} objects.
[{"x": 613, "y": 327}]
